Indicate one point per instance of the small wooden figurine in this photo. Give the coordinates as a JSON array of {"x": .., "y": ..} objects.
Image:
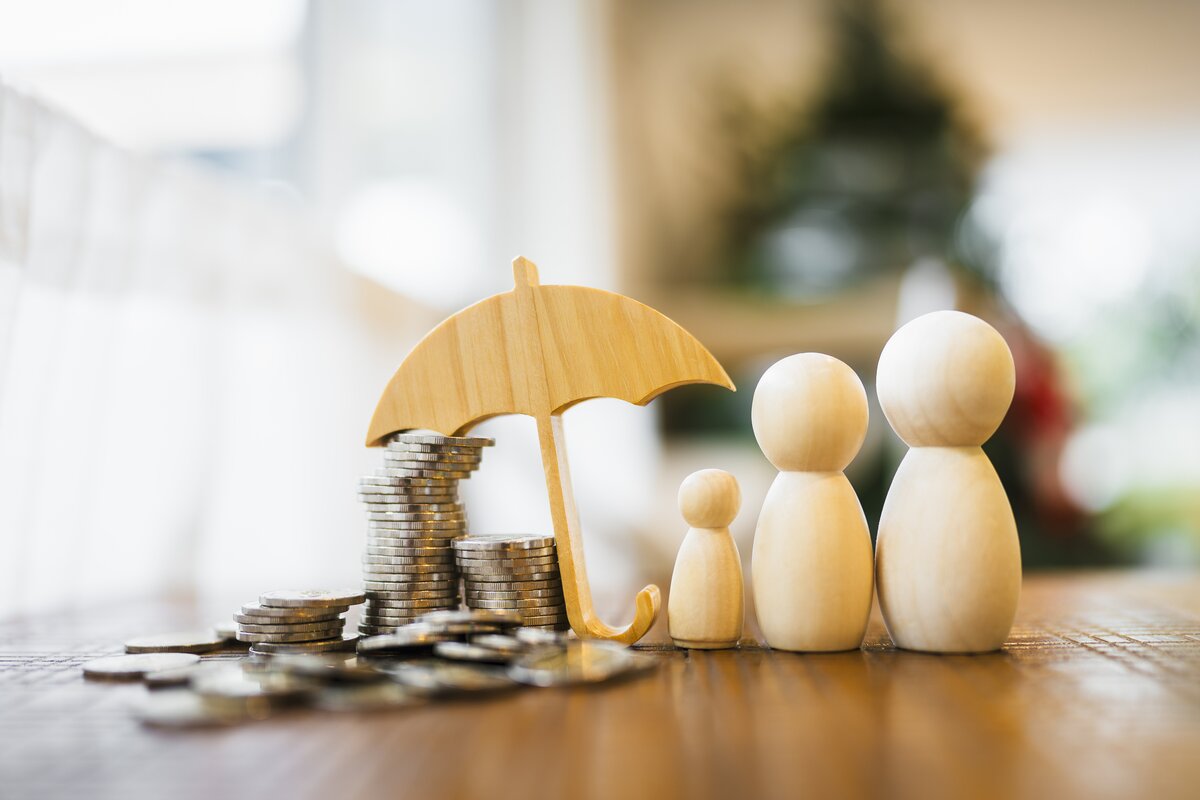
[
  {"x": 538, "y": 350},
  {"x": 948, "y": 562},
  {"x": 706, "y": 607},
  {"x": 811, "y": 568}
]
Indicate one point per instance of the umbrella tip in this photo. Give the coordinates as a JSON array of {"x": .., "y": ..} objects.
[{"x": 524, "y": 272}]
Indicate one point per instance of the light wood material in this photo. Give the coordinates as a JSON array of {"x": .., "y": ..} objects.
[
  {"x": 812, "y": 564},
  {"x": 538, "y": 350},
  {"x": 706, "y": 605},
  {"x": 1096, "y": 696},
  {"x": 948, "y": 561}
]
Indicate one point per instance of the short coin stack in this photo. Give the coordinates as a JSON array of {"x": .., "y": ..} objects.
[
  {"x": 413, "y": 514},
  {"x": 517, "y": 573},
  {"x": 290, "y": 621}
]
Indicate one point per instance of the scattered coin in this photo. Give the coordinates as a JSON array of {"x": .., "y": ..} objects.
[
  {"x": 407, "y": 641},
  {"x": 540, "y": 636},
  {"x": 134, "y": 667},
  {"x": 463, "y": 651},
  {"x": 180, "y": 676},
  {"x": 180, "y": 708},
  {"x": 578, "y": 662},
  {"x": 366, "y": 697},
  {"x": 346, "y": 642},
  {"x": 502, "y": 643},
  {"x": 443, "y": 677},
  {"x": 188, "y": 642},
  {"x": 506, "y": 618},
  {"x": 312, "y": 598}
]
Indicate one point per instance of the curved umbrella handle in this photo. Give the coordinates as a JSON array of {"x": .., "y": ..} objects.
[{"x": 649, "y": 601}]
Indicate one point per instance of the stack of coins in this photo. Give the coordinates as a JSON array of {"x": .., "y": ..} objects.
[
  {"x": 413, "y": 514},
  {"x": 517, "y": 573},
  {"x": 296, "y": 621}
]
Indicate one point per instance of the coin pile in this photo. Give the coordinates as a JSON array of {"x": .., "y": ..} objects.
[
  {"x": 291, "y": 621},
  {"x": 414, "y": 513},
  {"x": 514, "y": 573}
]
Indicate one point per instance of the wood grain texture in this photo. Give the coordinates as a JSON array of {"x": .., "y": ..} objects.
[
  {"x": 537, "y": 351},
  {"x": 1095, "y": 695}
]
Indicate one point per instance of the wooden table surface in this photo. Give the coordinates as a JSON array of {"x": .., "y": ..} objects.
[{"x": 1097, "y": 694}]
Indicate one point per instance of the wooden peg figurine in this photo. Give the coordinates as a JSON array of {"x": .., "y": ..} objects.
[
  {"x": 811, "y": 569},
  {"x": 948, "y": 562},
  {"x": 706, "y": 606}
]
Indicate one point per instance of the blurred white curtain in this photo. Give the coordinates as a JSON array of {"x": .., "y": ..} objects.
[{"x": 185, "y": 377}]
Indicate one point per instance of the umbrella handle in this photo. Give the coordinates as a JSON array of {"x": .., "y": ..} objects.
[{"x": 577, "y": 591}]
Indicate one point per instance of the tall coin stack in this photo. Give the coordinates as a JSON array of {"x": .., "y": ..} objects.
[
  {"x": 414, "y": 513},
  {"x": 516, "y": 573}
]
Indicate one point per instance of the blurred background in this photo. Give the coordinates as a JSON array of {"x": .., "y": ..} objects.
[{"x": 223, "y": 225}]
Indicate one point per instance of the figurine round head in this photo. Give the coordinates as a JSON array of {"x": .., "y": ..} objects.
[
  {"x": 809, "y": 413},
  {"x": 945, "y": 379},
  {"x": 709, "y": 498}
]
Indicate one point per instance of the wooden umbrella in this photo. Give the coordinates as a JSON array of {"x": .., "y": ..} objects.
[{"x": 538, "y": 350}]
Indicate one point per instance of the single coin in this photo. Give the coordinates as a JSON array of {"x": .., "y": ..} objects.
[
  {"x": 559, "y": 621},
  {"x": 406, "y": 522},
  {"x": 469, "y": 616},
  {"x": 512, "y": 586},
  {"x": 376, "y": 605},
  {"x": 443, "y": 457},
  {"x": 441, "y": 561},
  {"x": 409, "y": 485},
  {"x": 524, "y": 605},
  {"x": 296, "y": 614},
  {"x": 504, "y": 555},
  {"x": 460, "y": 629},
  {"x": 395, "y": 620},
  {"x": 448, "y": 677},
  {"x": 502, "y": 564},
  {"x": 181, "y": 676},
  {"x": 501, "y": 643},
  {"x": 312, "y": 598},
  {"x": 375, "y": 630},
  {"x": 416, "y": 569},
  {"x": 448, "y": 477},
  {"x": 420, "y": 447},
  {"x": 578, "y": 663},
  {"x": 299, "y": 627},
  {"x": 528, "y": 594},
  {"x": 438, "y": 591},
  {"x": 188, "y": 642},
  {"x": 434, "y": 588},
  {"x": 399, "y": 503},
  {"x": 343, "y": 668},
  {"x": 306, "y": 636},
  {"x": 368, "y": 697},
  {"x": 133, "y": 667},
  {"x": 437, "y": 438},
  {"x": 401, "y": 577},
  {"x": 407, "y": 640},
  {"x": 401, "y": 551},
  {"x": 347, "y": 642},
  {"x": 480, "y": 578},
  {"x": 463, "y": 651},
  {"x": 182, "y": 708},
  {"x": 255, "y": 619},
  {"x": 500, "y": 541},
  {"x": 237, "y": 686}
]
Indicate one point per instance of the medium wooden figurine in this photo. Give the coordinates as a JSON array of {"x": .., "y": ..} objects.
[
  {"x": 811, "y": 568},
  {"x": 948, "y": 563},
  {"x": 706, "y": 607},
  {"x": 538, "y": 350}
]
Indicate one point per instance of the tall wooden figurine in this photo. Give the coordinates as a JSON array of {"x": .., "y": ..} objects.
[
  {"x": 948, "y": 563},
  {"x": 706, "y": 606},
  {"x": 811, "y": 568}
]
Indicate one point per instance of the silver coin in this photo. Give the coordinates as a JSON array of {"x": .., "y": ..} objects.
[
  {"x": 375, "y": 630},
  {"x": 400, "y": 551},
  {"x": 386, "y": 520},
  {"x": 254, "y": 619},
  {"x": 437, "y": 591},
  {"x": 469, "y": 616},
  {"x": 437, "y": 587},
  {"x": 380, "y": 512},
  {"x": 407, "y": 640},
  {"x": 452, "y": 469},
  {"x": 399, "y": 537},
  {"x": 501, "y": 541},
  {"x": 542, "y": 607},
  {"x": 369, "y": 697},
  {"x": 240, "y": 688},
  {"x": 528, "y": 594},
  {"x": 578, "y": 663},
  {"x": 394, "y": 620},
  {"x": 188, "y": 642},
  {"x": 463, "y": 651},
  {"x": 133, "y": 667},
  {"x": 415, "y": 570},
  {"x": 292, "y": 614},
  {"x": 347, "y": 642},
  {"x": 398, "y": 454},
  {"x": 304, "y": 636},
  {"x": 399, "y": 503},
  {"x": 407, "y": 484},
  {"x": 472, "y": 628},
  {"x": 558, "y": 620},
  {"x": 447, "y": 477},
  {"x": 180, "y": 676},
  {"x": 440, "y": 561},
  {"x": 484, "y": 578},
  {"x": 510, "y": 586},
  {"x": 503, "y": 555},
  {"x": 299, "y": 627},
  {"x": 437, "y": 438},
  {"x": 311, "y": 598},
  {"x": 326, "y": 668},
  {"x": 446, "y": 677},
  {"x": 419, "y": 447},
  {"x": 379, "y": 605},
  {"x": 501, "y": 643},
  {"x": 182, "y": 708},
  {"x": 399, "y": 580},
  {"x": 506, "y": 564},
  {"x": 538, "y": 637},
  {"x": 383, "y": 612}
]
